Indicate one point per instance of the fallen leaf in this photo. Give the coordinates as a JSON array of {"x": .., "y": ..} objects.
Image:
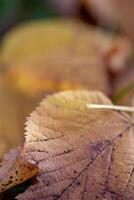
[
  {"x": 56, "y": 72},
  {"x": 63, "y": 36},
  {"x": 14, "y": 170},
  {"x": 81, "y": 153},
  {"x": 55, "y": 36}
]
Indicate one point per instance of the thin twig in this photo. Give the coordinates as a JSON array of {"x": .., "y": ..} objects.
[{"x": 110, "y": 107}]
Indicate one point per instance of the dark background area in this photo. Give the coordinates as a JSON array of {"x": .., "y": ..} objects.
[{"x": 13, "y": 12}]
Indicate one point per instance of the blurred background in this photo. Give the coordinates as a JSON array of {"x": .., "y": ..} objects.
[
  {"x": 107, "y": 13},
  {"x": 52, "y": 45},
  {"x": 48, "y": 46}
]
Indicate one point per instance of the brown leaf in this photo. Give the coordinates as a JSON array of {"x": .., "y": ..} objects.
[
  {"x": 81, "y": 153},
  {"x": 14, "y": 170}
]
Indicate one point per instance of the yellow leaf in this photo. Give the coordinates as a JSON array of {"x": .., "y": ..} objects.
[
  {"x": 62, "y": 36},
  {"x": 55, "y": 72}
]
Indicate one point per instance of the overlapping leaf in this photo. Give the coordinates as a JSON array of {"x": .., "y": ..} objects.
[
  {"x": 81, "y": 153},
  {"x": 15, "y": 170}
]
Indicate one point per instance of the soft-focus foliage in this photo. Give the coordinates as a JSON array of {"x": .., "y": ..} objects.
[
  {"x": 104, "y": 11},
  {"x": 64, "y": 7},
  {"x": 125, "y": 11},
  {"x": 53, "y": 72},
  {"x": 54, "y": 36},
  {"x": 116, "y": 14},
  {"x": 81, "y": 153},
  {"x": 11, "y": 122},
  {"x": 124, "y": 86},
  {"x": 62, "y": 48}
]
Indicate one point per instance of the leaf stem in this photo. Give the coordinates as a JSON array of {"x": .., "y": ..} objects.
[{"x": 110, "y": 107}]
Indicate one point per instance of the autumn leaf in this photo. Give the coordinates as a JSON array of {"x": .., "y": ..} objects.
[
  {"x": 56, "y": 72},
  {"x": 81, "y": 153},
  {"x": 54, "y": 49},
  {"x": 55, "y": 36},
  {"x": 62, "y": 36},
  {"x": 15, "y": 170}
]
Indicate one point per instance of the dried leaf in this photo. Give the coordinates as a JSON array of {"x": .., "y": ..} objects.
[
  {"x": 63, "y": 36},
  {"x": 48, "y": 73},
  {"x": 14, "y": 170},
  {"x": 45, "y": 36},
  {"x": 81, "y": 153}
]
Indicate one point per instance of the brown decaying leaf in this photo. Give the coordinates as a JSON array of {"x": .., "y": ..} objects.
[
  {"x": 81, "y": 153},
  {"x": 57, "y": 72},
  {"x": 125, "y": 80},
  {"x": 15, "y": 170}
]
